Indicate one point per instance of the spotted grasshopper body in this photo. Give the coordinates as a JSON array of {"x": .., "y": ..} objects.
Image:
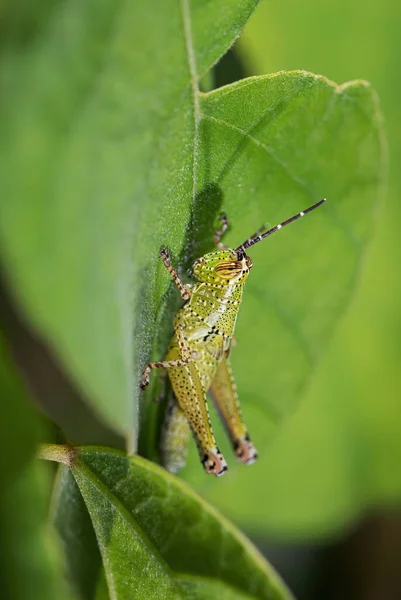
[{"x": 197, "y": 360}]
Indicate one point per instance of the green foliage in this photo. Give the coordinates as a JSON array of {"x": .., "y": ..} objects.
[
  {"x": 155, "y": 535},
  {"x": 110, "y": 151}
]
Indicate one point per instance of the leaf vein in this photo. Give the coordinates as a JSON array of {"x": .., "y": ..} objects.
[{"x": 264, "y": 147}]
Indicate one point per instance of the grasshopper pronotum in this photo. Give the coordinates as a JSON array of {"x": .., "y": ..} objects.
[{"x": 197, "y": 360}]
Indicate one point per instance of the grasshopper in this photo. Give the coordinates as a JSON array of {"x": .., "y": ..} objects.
[{"x": 197, "y": 360}]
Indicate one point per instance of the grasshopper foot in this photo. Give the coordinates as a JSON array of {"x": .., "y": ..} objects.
[
  {"x": 245, "y": 450},
  {"x": 214, "y": 463},
  {"x": 145, "y": 379},
  {"x": 165, "y": 256}
]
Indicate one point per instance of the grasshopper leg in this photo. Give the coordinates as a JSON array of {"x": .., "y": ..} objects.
[
  {"x": 160, "y": 364},
  {"x": 185, "y": 355},
  {"x": 218, "y": 234},
  {"x": 175, "y": 436},
  {"x": 185, "y": 290},
  {"x": 224, "y": 394},
  {"x": 191, "y": 397}
]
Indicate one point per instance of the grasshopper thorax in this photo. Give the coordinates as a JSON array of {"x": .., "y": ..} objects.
[{"x": 223, "y": 267}]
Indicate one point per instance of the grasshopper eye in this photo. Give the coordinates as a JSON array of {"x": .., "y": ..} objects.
[{"x": 228, "y": 269}]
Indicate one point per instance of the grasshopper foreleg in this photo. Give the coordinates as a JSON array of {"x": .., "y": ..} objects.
[
  {"x": 179, "y": 326},
  {"x": 218, "y": 234},
  {"x": 160, "y": 364},
  {"x": 185, "y": 290},
  {"x": 186, "y": 355}
]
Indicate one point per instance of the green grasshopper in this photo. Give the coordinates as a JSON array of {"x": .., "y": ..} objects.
[{"x": 197, "y": 360}]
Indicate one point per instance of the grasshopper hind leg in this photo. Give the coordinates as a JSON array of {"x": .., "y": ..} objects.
[
  {"x": 214, "y": 462},
  {"x": 175, "y": 436},
  {"x": 244, "y": 450},
  {"x": 224, "y": 393},
  {"x": 176, "y": 433},
  {"x": 191, "y": 397}
]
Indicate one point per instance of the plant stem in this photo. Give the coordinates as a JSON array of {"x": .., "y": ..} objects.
[{"x": 57, "y": 453}]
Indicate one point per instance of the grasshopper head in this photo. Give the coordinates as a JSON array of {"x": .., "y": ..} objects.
[{"x": 224, "y": 267}]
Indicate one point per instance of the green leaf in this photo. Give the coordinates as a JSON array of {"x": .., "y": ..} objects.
[
  {"x": 159, "y": 538},
  {"x": 97, "y": 143},
  {"x": 300, "y": 139},
  {"x": 271, "y": 146},
  {"x": 81, "y": 554},
  {"x": 203, "y": 589},
  {"x": 102, "y": 592}
]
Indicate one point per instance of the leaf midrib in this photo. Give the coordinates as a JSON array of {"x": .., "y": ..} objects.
[{"x": 186, "y": 18}]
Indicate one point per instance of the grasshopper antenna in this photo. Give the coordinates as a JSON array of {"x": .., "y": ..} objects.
[{"x": 257, "y": 238}]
